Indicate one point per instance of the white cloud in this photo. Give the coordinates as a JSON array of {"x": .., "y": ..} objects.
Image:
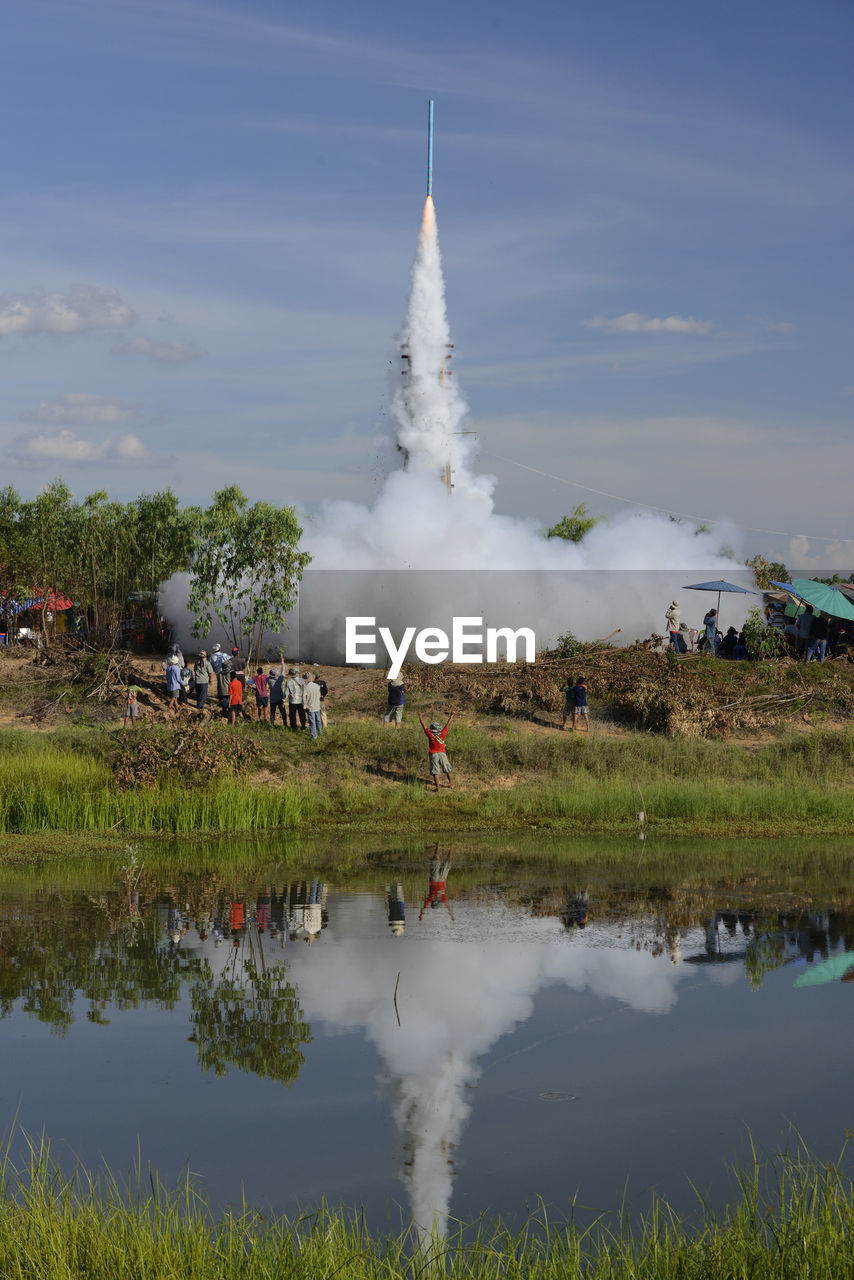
[
  {"x": 130, "y": 448},
  {"x": 164, "y": 352},
  {"x": 66, "y": 447},
  {"x": 634, "y": 322},
  {"x": 84, "y": 308},
  {"x": 79, "y": 408}
]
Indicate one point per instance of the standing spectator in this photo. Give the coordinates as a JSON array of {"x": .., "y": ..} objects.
[
  {"x": 439, "y": 762},
  {"x": 294, "y": 694},
  {"x": 818, "y": 638},
  {"x": 394, "y": 703},
  {"x": 238, "y": 668},
  {"x": 806, "y": 623},
  {"x": 131, "y": 703},
  {"x": 710, "y": 635},
  {"x": 311, "y": 702},
  {"x": 577, "y": 695},
  {"x": 217, "y": 658},
  {"x": 223, "y": 680},
  {"x": 186, "y": 678},
  {"x": 204, "y": 673},
  {"x": 262, "y": 696},
  {"x": 324, "y": 690},
  {"x": 673, "y": 623},
  {"x": 235, "y": 698},
  {"x": 173, "y": 683},
  {"x": 276, "y": 685}
]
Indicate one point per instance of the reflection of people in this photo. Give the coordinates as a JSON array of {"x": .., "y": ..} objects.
[
  {"x": 395, "y": 909},
  {"x": 437, "y": 893},
  {"x": 305, "y": 914},
  {"x": 439, "y": 762},
  {"x": 576, "y": 913}
]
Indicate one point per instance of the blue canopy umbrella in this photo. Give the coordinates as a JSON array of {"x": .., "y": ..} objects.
[{"x": 720, "y": 586}]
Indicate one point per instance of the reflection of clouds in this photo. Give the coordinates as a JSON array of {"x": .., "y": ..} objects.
[{"x": 458, "y": 994}]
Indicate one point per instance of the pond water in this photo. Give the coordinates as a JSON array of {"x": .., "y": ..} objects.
[{"x": 424, "y": 1038}]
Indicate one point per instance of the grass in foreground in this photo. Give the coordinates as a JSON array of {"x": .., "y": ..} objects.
[
  {"x": 362, "y": 776},
  {"x": 792, "y": 1221}
]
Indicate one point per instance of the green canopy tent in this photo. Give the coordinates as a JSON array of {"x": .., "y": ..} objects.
[{"x": 820, "y": 595}]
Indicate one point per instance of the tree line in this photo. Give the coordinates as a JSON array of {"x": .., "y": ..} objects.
[{"x": 107, "y": 556}]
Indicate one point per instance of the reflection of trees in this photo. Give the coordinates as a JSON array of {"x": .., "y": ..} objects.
[
  {"x": 57, "y": 949},
  {"x": 254, "y": 1023},
  {"x": 50, "y": 957}
]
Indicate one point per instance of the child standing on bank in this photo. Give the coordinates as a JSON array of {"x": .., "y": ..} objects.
[
  {"x": 439, "y": 762},
  {"x": 577, "y": 694},
  {"x": 131, "y": 704},
  {"x": 235, "y": 698}
]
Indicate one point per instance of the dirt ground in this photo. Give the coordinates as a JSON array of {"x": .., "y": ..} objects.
[{"x": 76, "y": 686}]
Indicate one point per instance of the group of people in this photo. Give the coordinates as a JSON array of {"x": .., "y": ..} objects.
[
  {"x": 299, "y": 699},
  {"x": 710, "y": 640},
  {"x": 812, "y": 634}
]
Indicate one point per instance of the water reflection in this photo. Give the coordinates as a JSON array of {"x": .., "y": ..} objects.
[{"x": 258, "y": 968}]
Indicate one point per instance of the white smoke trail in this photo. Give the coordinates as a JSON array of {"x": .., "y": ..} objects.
[{"x": 415, "y": 523}]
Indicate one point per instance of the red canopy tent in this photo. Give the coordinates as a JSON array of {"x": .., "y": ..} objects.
[{"x": 53, "y": 602}]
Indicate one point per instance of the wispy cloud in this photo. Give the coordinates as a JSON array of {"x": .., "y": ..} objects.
[
  {"x": 634, "y": 322},
  {"x": 84, "y": 308},
  {"x": 66, "y": 447},
  {"x": 79, "y": 408},
  {"x": 160, "y": 351}
]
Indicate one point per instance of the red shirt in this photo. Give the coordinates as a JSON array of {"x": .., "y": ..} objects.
[
  {"x": 436, "y": 741},
  {"x": 235, "y": 693}
]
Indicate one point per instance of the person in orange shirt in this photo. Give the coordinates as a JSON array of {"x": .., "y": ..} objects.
[{"x": 235, "y": 699}]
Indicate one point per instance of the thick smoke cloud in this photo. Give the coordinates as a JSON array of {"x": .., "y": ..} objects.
[{"x": 417, "y": 525}]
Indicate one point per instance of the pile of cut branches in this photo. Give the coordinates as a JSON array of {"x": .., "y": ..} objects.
[{"x": 193, "y": 753}]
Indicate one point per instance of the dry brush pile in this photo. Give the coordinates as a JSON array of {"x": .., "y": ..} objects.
[
  {"x": 192, "y": 754},
  {"x": 658, "y": 692}
]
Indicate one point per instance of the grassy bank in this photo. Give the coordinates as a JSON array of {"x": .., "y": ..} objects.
[
  {"x": 362, "y": 777},
  {"x": 792, "y": 1221}
]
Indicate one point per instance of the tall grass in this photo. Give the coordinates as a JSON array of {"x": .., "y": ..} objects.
[
  {"x": 792, "y": 1221},
  {"x": 374, "y": 778},
  {"x": 69, "y": 791}
]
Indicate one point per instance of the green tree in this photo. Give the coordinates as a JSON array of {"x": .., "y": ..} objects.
[
  {"x": 575, "y": 526},
  {"x": 164, "y": 536},
  {"x": 767, "y": 571},
  {"x": 246, "y": 566},
  {"x": 762, "y": 640},
  {"x": 49, "y": 531}
]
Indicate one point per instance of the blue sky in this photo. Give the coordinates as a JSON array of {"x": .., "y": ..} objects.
[{"x": 210, "y": 211}]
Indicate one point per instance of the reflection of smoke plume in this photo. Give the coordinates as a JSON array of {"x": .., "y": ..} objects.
[
  {"x": 430, "y": 1116},
  {"x": 456, "y": 1001}
]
